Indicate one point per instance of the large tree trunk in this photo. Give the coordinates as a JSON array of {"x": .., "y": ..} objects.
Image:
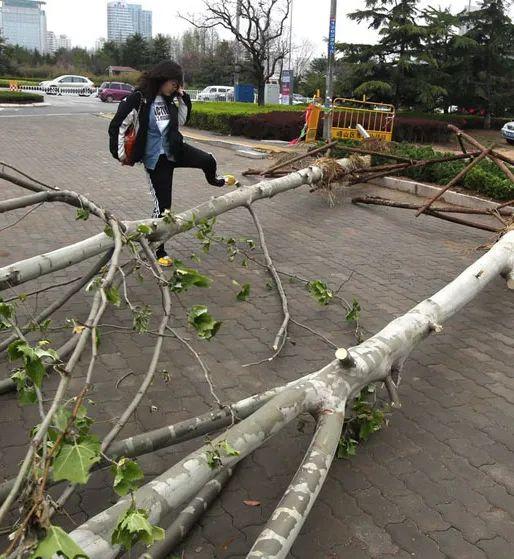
[{"x": 322, "y": 393}]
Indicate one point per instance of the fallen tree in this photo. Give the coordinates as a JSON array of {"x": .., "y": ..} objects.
[{"x": 64, "y": 436}]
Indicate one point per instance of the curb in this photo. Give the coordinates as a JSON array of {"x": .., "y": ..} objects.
[
  {"x": 427, "y": 191},
  {"x": 22, "y": 105}
]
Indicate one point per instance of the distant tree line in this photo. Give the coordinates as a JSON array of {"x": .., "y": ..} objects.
[{"x": 206, "y": 58}]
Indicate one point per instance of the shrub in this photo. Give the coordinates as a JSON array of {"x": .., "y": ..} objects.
[
  {"x": 423, "y": 130},
  {"x": 485, "y": 178},
  {"x": 249, "y": 120},
  {"x": 4, "y": 82},
  {"x": 275, "y": 125},
  {"x": 19, "y": 97}
]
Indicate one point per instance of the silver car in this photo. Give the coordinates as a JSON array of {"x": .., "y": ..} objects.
[{"x": 508, "y": 132}]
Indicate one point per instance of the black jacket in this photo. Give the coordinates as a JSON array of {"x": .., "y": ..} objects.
[{"x": 137, "y": 101}]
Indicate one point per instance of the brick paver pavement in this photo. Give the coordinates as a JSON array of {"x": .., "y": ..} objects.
[{"x": 436, "y": 483}]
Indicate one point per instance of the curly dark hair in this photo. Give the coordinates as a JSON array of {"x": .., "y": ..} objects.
[{"x": 151, "y": 81}]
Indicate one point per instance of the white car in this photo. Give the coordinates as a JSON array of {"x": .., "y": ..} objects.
[
  {"x": 84, "y": 86},
  {"x": 300, "y": 99},
  {"x": 216, "y": 93},
  {"x": 508, "y": 132}
]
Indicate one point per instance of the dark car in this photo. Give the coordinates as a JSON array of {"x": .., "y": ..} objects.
[{"x": 114, "y": 91}]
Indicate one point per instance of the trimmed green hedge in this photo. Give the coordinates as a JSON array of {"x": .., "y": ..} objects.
[
  {"x": 245, "y": 119},
  {"x": 4, "y": 82},
  {"x": 485, "y": 178},
  {"x": 19, "y": 97}
]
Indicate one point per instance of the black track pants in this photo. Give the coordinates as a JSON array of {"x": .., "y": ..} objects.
[{"x": 161, "y": 178}]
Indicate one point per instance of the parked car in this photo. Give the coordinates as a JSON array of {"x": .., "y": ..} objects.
[
  {"x": 216, "y": 93},
  {"x": 84, "y": 86},
  {"x": 300, "y": 99},
  {"x": 114, "y": 91},
  {"x": 508, "y": 132}
]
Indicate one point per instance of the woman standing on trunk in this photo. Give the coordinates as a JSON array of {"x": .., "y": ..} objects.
[{"x": 155, "y": 111}]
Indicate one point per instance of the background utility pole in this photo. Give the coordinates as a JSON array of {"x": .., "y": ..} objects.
[
  {"x": 237, "y": 65},
  {"x": 327, "y": 122},
  {"x": 291, "y": 75}
]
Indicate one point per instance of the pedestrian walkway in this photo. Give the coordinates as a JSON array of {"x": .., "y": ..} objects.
[{"x": 436, "y": 483}]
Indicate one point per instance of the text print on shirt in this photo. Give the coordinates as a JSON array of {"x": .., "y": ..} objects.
[{"x": 162, "y": 114}]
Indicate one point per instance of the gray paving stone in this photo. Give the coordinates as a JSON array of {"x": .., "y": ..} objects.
[
  {"x": 454, "y": 546},
  {"x": 408, "y": 537}
]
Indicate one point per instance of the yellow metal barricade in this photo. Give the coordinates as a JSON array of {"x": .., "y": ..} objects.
[{"x": 376, "y": 118}]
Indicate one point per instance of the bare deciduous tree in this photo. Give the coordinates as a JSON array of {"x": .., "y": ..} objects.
[{"x": 260, "y": 32}]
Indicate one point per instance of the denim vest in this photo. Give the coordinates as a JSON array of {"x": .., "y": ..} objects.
[{"x": 157, "y": 144}]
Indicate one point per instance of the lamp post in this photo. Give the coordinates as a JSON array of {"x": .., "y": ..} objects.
[
  {"x": 327, "y": 122},
  {"x": 291, "y": 76}
]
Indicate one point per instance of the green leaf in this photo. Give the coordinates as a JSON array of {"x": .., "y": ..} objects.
[
  {"x": 227, "y": 448},
  {"x": 244, "y": 293},
  {"x": 26, "y": 391},
  {"x": 6, "y": 315},
  {"x": 168, "y": 217},
  {"x": 81, "y": 424},
  {"x": 108, "y": 231},
  {"x": 57, "y": 542},
  {"x": 347, "y": 447},
  {"x": 144, "y": 229},
  {"x": 213, "y": 458},
  {"x": 354, "y": 313},
  {"x": 133, "y": 527},
  {"x": 126, "y": 475},
  {"x": 83, "y": 214},
  {"x": 36, "y": 371},
  {"x": 141, "y": 319},
  {"x": 319, "y": 291},
  {"x": 200, "y": 319},
  {"x": 183, "y": 278},
  {"x": 32, "y": 358},
  {"x": 13, "y": 351},
  {"x": 74, "y": 461},
  {"x": 113, "y": 296}
]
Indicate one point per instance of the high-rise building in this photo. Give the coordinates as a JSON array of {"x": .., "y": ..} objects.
[
  {"x": 55, "y": 42},
  {"x": 99, "y": 43},
  {"x": 145, "y": 24},
  {"x": 64, "y": 42},
  {"x": 23, "y": 22},
  {"x": 124, "y": 20}
]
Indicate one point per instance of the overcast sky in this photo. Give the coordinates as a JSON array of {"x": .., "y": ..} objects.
[{"x": 84, "y": 21}]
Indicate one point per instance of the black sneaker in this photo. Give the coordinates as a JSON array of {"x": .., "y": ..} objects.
[{"x": 217, "y": 181}]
